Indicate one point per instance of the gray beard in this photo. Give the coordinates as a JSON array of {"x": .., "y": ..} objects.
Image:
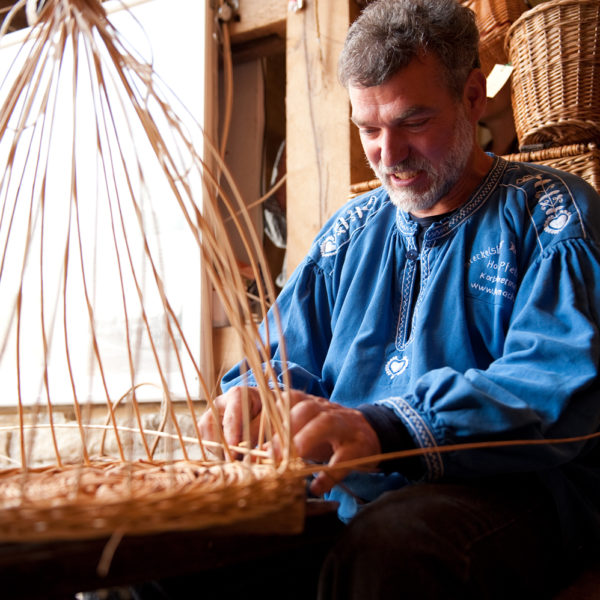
[{"x": 442, "y": 179}]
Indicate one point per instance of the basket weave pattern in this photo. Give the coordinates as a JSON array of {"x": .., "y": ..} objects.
[
  {"x": 580, "y": 159},
  {"x": 64, "y": 474},
  {"x": 96, "y": 501},
  {"x": 555, "y": 51},
  {"x": 494, "y": 18}
]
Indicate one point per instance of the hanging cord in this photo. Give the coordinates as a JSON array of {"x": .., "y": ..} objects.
[{"x": 224, "y": 14}]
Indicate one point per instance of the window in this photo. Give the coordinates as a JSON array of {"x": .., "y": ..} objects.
[{"x": 100, "y": 274}]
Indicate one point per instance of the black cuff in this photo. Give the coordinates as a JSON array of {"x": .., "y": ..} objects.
[{"x": 393, "y": 436}]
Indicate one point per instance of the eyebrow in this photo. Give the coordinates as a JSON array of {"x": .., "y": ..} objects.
[{"x": 413, "y": 111}]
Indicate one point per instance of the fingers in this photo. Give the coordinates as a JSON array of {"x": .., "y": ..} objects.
[
  {"x": 328, "y": 432},
  {"x": 230, "y": 412},
  {"x": 315, "y": 428},
  {"x": 242, "y": 404},
  {"x": 322, "y": 431}
]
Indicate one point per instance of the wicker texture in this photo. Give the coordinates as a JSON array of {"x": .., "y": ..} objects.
[
  {"x": 555, "y": 49},
  {"x": 132, "y": 475},
  {"x": 494, "y": 18},
  {"x": 580, "y": 159},
  {"x": 148, "y": 498}
]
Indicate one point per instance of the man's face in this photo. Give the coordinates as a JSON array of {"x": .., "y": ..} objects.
[{"x": 417, "y": 136}]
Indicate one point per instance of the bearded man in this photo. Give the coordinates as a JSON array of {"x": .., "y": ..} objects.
[{"x": 457, "y": 303}]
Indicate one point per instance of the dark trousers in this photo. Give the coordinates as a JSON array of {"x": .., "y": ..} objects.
[
  {"x": 479, "y": 540},
  {"x": 483, "y": 539}
]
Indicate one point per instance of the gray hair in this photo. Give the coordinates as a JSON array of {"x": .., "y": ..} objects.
[{"x": 390, "y": 33}]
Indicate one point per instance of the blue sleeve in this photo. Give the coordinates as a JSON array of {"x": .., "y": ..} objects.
[
  {"x": 302, "y": 315},
  {"x": 544, "y": 386}
]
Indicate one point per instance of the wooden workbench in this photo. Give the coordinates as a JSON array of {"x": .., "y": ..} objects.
[{"x": 58, "y": 570}]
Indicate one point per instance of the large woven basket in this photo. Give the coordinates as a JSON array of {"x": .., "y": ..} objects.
[
  {"x": 580, "y": 159},
  {"x": 555, "y": 51},
  {"x": 494, "y": 18}
]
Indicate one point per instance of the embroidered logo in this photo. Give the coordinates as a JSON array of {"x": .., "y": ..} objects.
[
  {"x": 552, "y": 202},
  {"x": 329, "y": 246},
  {"x": 396, "y": 366},
  {"x": 557, "y": 220}
]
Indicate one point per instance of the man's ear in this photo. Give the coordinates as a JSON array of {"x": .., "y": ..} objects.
[{"x": 475, "y": 94}]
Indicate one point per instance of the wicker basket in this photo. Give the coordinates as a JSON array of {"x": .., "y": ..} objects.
[
  {"x": 494, "y": 18},
  {"x": 555, "y": 50},
  {"x": 78, "y": 502},
  {"x": 580, "y": 159}
]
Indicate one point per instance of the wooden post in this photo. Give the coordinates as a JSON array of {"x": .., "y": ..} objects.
[{"x": 318, "y": 125}]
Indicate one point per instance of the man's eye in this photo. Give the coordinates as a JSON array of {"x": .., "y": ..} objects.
[
  {"x": 367, "y": 131},
  {"x": 416, "y": 124}
]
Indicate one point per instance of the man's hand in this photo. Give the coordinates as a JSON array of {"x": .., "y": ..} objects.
[
  {"x": 230, "y": 415},
  {"x": 326, "y": 432},
  {"x": 323, "y": 431}
]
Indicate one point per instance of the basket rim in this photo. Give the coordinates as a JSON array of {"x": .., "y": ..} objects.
[
  {"x": 566, "y": 151},
  {"x": 533, "y": 12},
  {"x": 576, "y": 125}
]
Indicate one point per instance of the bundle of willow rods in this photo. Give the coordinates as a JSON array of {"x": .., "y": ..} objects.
[{"x": 82, "y": 227}]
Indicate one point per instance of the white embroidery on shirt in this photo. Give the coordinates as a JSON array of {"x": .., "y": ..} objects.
[
  {"x": 421, "y": 433},
  {"x": 551, "y": 201},
  {"x": 341, "y": 228},
  {"x": 556, "y": 222},
  {"x": 396, "y": 366},
  {"x": 329, "y": 246}
]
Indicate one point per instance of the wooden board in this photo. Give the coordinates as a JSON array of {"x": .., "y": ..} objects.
[
  {"x": 318, "y": 126},
  {"x": 259, "y": 19}
]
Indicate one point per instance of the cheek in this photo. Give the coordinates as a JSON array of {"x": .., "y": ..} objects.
[
  {"x": 434, "y": 147},
  {"x": 371, "y": 150}
]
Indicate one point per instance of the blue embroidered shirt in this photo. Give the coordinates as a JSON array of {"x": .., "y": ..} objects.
[{"x": 486, "y": 330}]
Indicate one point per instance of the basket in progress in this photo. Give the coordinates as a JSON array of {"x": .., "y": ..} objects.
[
  {"x": 88, "y": 225},
  {"x": 555, "y": 51},
  {"x": 104, "y": 498}
]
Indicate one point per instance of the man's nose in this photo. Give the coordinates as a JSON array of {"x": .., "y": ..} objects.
[{"x": 394, "y": 148}]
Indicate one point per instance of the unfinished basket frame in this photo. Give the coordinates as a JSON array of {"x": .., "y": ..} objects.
[{"x": 194, "y": 483}]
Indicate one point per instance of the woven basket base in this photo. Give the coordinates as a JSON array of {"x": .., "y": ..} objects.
[{"x": 78, "y": 502}]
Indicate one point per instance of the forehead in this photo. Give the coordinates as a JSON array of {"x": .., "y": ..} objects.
[{"x": 420, "y": 84}]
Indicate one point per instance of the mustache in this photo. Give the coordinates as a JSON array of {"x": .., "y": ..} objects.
[{"x": 411, "y": 164}]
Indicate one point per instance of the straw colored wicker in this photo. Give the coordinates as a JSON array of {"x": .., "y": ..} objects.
[
  {"x": 580, "y": 159},
  {"x": 494, "y": 18},
  {"x": 141, "y": 498},
  {"x": 555, "y": 51},
  {"x": 363, "y": 186},
  {"x": 58, "y": 482}
]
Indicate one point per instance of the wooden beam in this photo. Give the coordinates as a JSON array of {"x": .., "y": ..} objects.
[
  {"x": 259, "y": 19},
  {"x": 318, "y": 125}
]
